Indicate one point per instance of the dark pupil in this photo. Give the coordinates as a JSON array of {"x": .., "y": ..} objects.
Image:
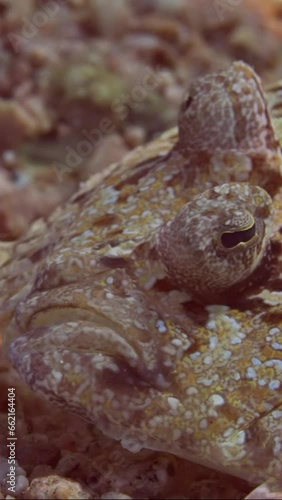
[
  {"x": 230, "y": 240},
  {"x": 188, "y": 103}
]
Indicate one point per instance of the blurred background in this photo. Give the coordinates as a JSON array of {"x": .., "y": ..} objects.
[{"x": 84, "y": 81}]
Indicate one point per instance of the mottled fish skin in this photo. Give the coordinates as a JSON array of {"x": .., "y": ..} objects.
[{"x": 150, "y": 304}]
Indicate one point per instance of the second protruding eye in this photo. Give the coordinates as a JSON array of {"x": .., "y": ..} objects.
[{"x": 232, "y": 239}]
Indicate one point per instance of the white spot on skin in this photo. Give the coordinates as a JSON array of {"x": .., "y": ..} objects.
[
  {"x": 122, "y": 250},
  {"x": 190, "y": 391},
  {"x": 277, "y": 414},
  {"x": 228, "y": 432},
  {"x": 208, "y": 360},
  {"x": 130, "y": 231},
  {"x": 213, "y": 342},
  {"x": 233, "y": 323},
  {"x": 195, "y": 355},
  {"x": 203, "y": 424},
  {"x": 161, "y": 326},
  {"x": 274, "y": 362},
  {"x": 132, "y": 445},
  {"x": 57, "y": 375},
  {"x": 173, "y": 404},
  {"x": 92, "y": 211},
  {"x": 170, "y": 193},
  {"x": 278, "y": 446},
  {"x": 274, "y": 384},
  {"x": 274, "y": 330},
  {"x": 235, "y": 340},
  {"x": 241, "y": 421},
  {"x": 216, "y": 400},
  {"x": 207, "y": 382},
  {"x": 150, "y": 283},
  {"x": 110, "y": 195},
  {"x": 212, "y": 413},
  {"x": 275, "y": 299},
  {"x": 155, "y": 421},
  {"x": 150, "y": 180},
  {"x": 87, "y": 233},
  {"x": 168, "y": 177},
  {"x": 113, "y": 367},
  {"x": 237, "y": 88},
  {"x": 177, "y": 342},
  {"x": 251, "y": 373},
  {"x": 256, "y": 361},
  {"x": 211, "y": 325},
  {"x": 277, "y": 346},
  {"x": 241, "y": 437},
  {"x": 169, "y": 349}
]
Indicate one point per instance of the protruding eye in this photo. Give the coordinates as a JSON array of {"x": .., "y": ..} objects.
[{"x": 232, "y": 239}]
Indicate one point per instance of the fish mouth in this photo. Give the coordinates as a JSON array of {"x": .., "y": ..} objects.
[{"x": 106, "y": 336}]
